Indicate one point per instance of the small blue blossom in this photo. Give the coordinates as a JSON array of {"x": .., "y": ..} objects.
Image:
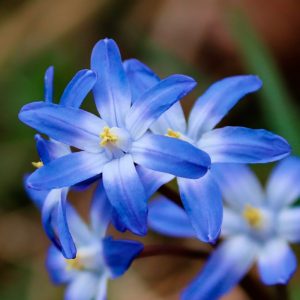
[
  {"x": 52, "y": 202},
  {"x": 98, "y": 259},
  {"x": 202, "y": 197},
  {"x": 118, "y": 145},
  {"x": 258, "y": 227}
]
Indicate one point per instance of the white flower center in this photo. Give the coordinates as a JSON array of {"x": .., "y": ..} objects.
[
  {"x": 173, "y": 134},
  {"x": 115, "y": 140},
  {"x": 107, "y": 137},
  {"x": 88, "y": 258},
  {"x": 253, "y": 216}
]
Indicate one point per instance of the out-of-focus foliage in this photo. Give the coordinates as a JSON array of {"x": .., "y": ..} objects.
[
  {"x": 205, "y": 39},
  {"x": 280, "y": 112}
]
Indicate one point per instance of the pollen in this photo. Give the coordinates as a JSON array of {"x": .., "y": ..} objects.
[
  {"x": 173, "y": 134},
  {"x": 37, "y": 164},
  {"x": 107, "y": 137},
  {"x": 253, "y": 216},
  {"x": 74, "y": 264}
]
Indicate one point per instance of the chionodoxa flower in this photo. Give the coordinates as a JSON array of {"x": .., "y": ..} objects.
[
  {"x": 201, "y": 197},
  {"x": 119, "y": 142},
  {"x": 98, "y": 259},
  {"x": 258, "y": 226}
]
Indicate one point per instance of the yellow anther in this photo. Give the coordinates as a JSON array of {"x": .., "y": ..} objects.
[
  {"x": 107, "y": 137},
  {"x": 253, "y": 216},
  {"x": 74, "y": 264},
  {"x": 37, "y": 164},
  {"x": 173, "y": 134}
]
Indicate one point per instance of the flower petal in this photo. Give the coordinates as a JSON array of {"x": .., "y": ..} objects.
[
  {"x": 48, "y": 84},
  {"x": 169, "y": 219},
  {"x": 238, "y": 184},
  {"x": 48, "y": 210},
  {"x": 78, "y": 88},
  {"x": 155, "y": 101},
  {"x": 111, "y": 91},
  {"x": 202, "y": 201},
  {"x": 170, "y": 155},
  {"x": 283, "y": 187},
  {"x": 119, "y": 254},
  {"x": 152, "y": 180},
  {"x": 233, "y": 223},
  {"x": 101, "y": 210},
  {"x": 67, "y": 170},
  {"x": 102, "y": 288},
  {"x": 216, "y": 102},
  {"x": 126, "y": 193},
  {"x": 83, "y": 287},
  {"x": 224, "y": 269},
  {"x": 50, "y": 149},
  {"x": 81, "y": 233},
  {"x": 276, "y": 262},
  {"x": 243, "y": 145},
  {"x": 55, "y": 222},
  {"x": 74, "y": 127},
  {"x": 289, "y": 224},
  {"x": 68, "y": 247},
  {"x": 57, "y": 267},
  {"x": 36, "y": 196},
  {"x": 140, "y": 77},
  {"x": 117, "y": 222},
  {"x": 173, "y": 119}
]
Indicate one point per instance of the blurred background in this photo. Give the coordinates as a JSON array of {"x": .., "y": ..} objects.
[{"x": 207, "y": 39}]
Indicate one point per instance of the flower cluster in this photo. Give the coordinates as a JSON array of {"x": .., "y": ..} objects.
[
  {"x": 140, "y": 141},
  {"x": 257, "y": 226}
]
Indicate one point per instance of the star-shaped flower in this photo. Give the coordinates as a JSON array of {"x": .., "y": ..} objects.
[
  {"x": 115, "y": 144},
  {"x": 202, "y": 197},
  {"x": 258, "y": 227}
]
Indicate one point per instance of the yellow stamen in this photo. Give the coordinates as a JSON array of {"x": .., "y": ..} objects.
[
  {"x": 253, "y": 216},
  {"x": 37, "y": 164},
  {"x": 107, "y": 137},
  {"x": 74, "y": 264},
  {"x": 173, "y": 134}
]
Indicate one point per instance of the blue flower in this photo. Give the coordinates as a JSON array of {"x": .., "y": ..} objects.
[
  {"x": 98, "y": 259},
  {"x": 258, "y": 226},
  {"x": 202, "y": 197},
  {"x": 52, "y": 202},
  {"x": 114, "y": 144}
]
